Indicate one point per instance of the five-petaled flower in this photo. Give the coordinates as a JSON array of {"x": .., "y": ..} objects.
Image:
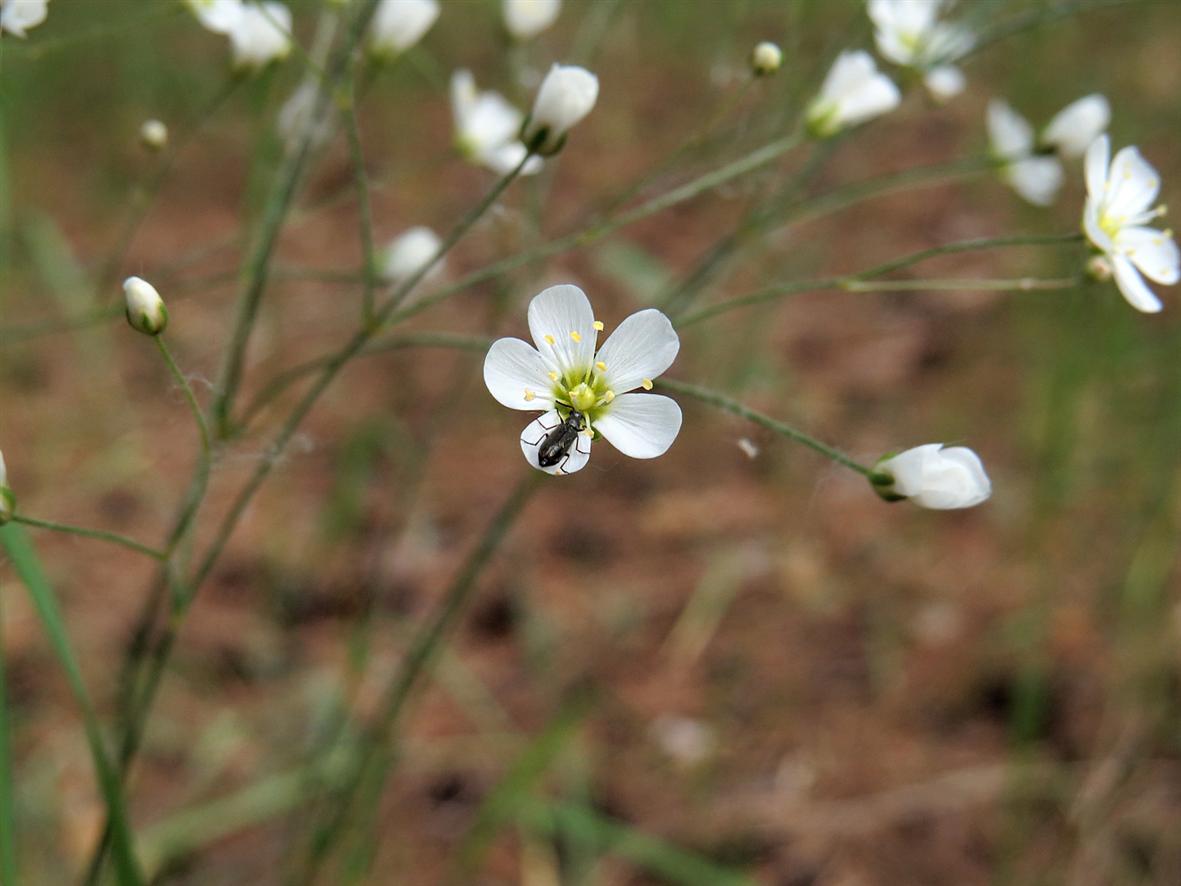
[
  {"x": 1116, "y": 218},
  {"x": 1035, "y": 177},
  {"x": 583, "y": 394},
  {"x": 934, "y": 477},
  {"x": 909, "y": 33}
]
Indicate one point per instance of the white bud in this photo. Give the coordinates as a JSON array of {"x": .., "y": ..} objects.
[
  {"x": 933, "y": 477},
  {"x": 525, "y": 19},
  {"x": 944, "y": 82},
  {"x": 1072, "y": 129},
  {"x": 766, "y": 59},
  {"x": 567, "y": 94},
  {"x": 153, "y": 135},
  {"x": 1099, "y": 268},
  {"x": 854, "y": 91},
  {"x": 409, "y": 252},
  {"x": 7, "y": 499},
  {"x": 145, "y": 309},
  {"x": 399, "y": 24}
]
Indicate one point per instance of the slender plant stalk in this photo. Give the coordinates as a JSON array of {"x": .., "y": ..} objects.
[
  {"x": 1016, "y": 284},
  {"x": 364, "y": 212},
  {"x": 417, "y": 662},
  {"x": 97, "y": 534},
  {"x": 783, "y": 429}
]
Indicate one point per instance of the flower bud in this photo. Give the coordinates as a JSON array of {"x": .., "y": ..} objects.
[
  {"x": 765, "y": 59},
  {"x": 933, "y": 477},
  {"x": 145, "y": 309},
  {"x": 7, "y": 499},
  {"x": 524, "y": 19},
  {"x": 409, "y": 252},
  {"x": 1099, "y": 268},
  {"x": 567, "y": 94},
  {"x": 153, "y": 135}
]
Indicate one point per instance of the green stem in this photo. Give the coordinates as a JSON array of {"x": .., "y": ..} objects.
[
  {"x": 415, "y": 664},
  {"x": 1016, "y": 284},
  {"x": 364, "y": 212},
  {"x": 721, "y": 401},
  {"x": 97, "y": 534},
  {"x": 190, "y": 397}
]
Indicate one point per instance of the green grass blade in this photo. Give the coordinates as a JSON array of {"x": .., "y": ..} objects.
[
  {"x": 28, "y": 566},
  {"x": 7, "y": 787}
]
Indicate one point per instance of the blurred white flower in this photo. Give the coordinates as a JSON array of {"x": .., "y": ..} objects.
[
  {"x": 261, "y": 35},
  {"x": 153, "y": 134},
  {"x": 1035, "y": 178},
  {"x": 399, "y": 24},
  {"x": 1071, "y": 131},
  {"x": 410, "y": 252},
  {"x": 1116, "y": 218},
  {"x": 525, "y": 19},
  {"x": 567, "y": 94},
  {"x": 909, "y": 33},
  {"x": 583, "y": 394},
  {"x": 854, "y": 91},
  {"x": 17, "y": 16},
  {"x": 933, "y": 477},
  {"x": 7, "y": 499},
  {"x": 145, "y": 309},
  {"x": 765, "y": 59},
  {"x": 296, "y": 116},
  {"x": 488, "y": 127},
  {"x": 219, "y": 16}
]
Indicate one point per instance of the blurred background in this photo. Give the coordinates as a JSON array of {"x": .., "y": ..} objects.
[{"x": 731, "y": 662}]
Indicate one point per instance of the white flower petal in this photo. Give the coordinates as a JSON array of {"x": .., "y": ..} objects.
[
  {"x": 261, "y": 35},
  {"x": 506, "y": 158},
  {"x": 1133, "y": 185},
  {"x": 528, "y": 18},
  {"x": 938, "y": 478},
  {"x": 399, "y": 24},
  {"x": 848, "y": 74},
  {"x": 876, "y": 97},
  {"x": 1153, "y": 252},
  {"x": 1073, "y": 128},
  {"x": 534, "y": 435},
  {"x": 219, "y": 16},
  {"x": 1036, "y": 179},
  {"x": 1093, "y": 229},
  {"x": 1097, "y": 157},
  {"x": 1009, "y": 133},
  {"x": 17, "y": 16},
  {"x": 567, "y": 94},
  {"x": 409, "y": 252},
  {"x": 1133, "y": 287},
  {"x": 562, "y": 324},
  {"x": 513, "y": 368},
  {"x": 643, "y": 347},
  {"x": 641, "y": 425},
  {"x": 945, "y": 82},
  {"x": 489, "y": 122}
]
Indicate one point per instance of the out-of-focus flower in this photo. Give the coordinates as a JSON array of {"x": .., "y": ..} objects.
[
  {"x": 567, "y": 94},
  {"x": 399, "y": 24},
  {"x": 933, "y": 477},
  {"x": 488, "y": 127},
  {"x": 153, "y": 135},
  {"x": 525, "y": 19},
  {"x": 1034, "y": 177},
  {"x": 1071, "y": 131},
  {"x": 262, "y": 35},
  {"x": 854, "y": 91},
  {"x": 17, "y": 16},
  {"x": 1116, "y": 218},
  {"x": 296, "y": 116},
  {"x": 909, "y": 33},
  {"x": 7, "y": 499},
  {"x": 765, "y": 59},
  {"x": 145, "y": 309},
  {"x": 583, "y": 395},
  {"x": 409, "y": 253},
  {"x": 219, "y": 16}
]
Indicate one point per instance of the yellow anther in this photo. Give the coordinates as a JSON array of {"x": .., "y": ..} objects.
[
  {"x": 553, "y": 376},
  {"x": 598, "y": 324},
  {"x": 529, "y": 395},
  {"x": 576, "y": 335},
  {"x": 601, "y": 366},
  {"x": 549, "y": 339},
  {"x": 609, "y": 396},
  {"x": 646, "y": 384}
]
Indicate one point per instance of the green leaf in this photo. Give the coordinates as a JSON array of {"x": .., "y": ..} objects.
[{"x": 28, "y": 566}]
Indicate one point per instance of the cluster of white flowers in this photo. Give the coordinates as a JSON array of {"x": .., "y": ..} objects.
[
  {"x": 909, "y": 33},
  {"x": 17, "y": 16},
  {"x": 259, "y": 33}
]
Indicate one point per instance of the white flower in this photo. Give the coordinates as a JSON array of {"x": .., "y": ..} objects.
[
  {"x": 581, "y": 392},
  {"x": 488, "y": 127},
  {"x": 909, "y": 33},
  {"x": 399, "y": 24},
  {"x": 7, "y": 499},
  {"x": 219, "y": 16},
  {"x": 1035, "y": 178},
  {"x": 1071, "y": 131},
  {"x": 145, "y": 309},
  {"x": 261, "y": 34},
  {"x": 17, "y": 16},
  {"x": 765, "y": 59},
  {"x": 933, "y": 477},
  {"x": 525, "y": 19},
  {"x": 567, "y": 94},
  {"x": 410, "y": 252},
  {"x": 854, "y": 91},
  {"x": 153, "y": 134},
  {"x": 1116, "y": 217}
]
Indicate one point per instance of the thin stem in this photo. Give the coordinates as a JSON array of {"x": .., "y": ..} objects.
[
  {"x": 417, "y": 661},
  {"x": 364, "y": 212},
  {"x": 1018, "y": 284},
  {"x": 190, "y": 398},
  {"x": 721, "y": 401},
  {"x": 97, "y": 534}
]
